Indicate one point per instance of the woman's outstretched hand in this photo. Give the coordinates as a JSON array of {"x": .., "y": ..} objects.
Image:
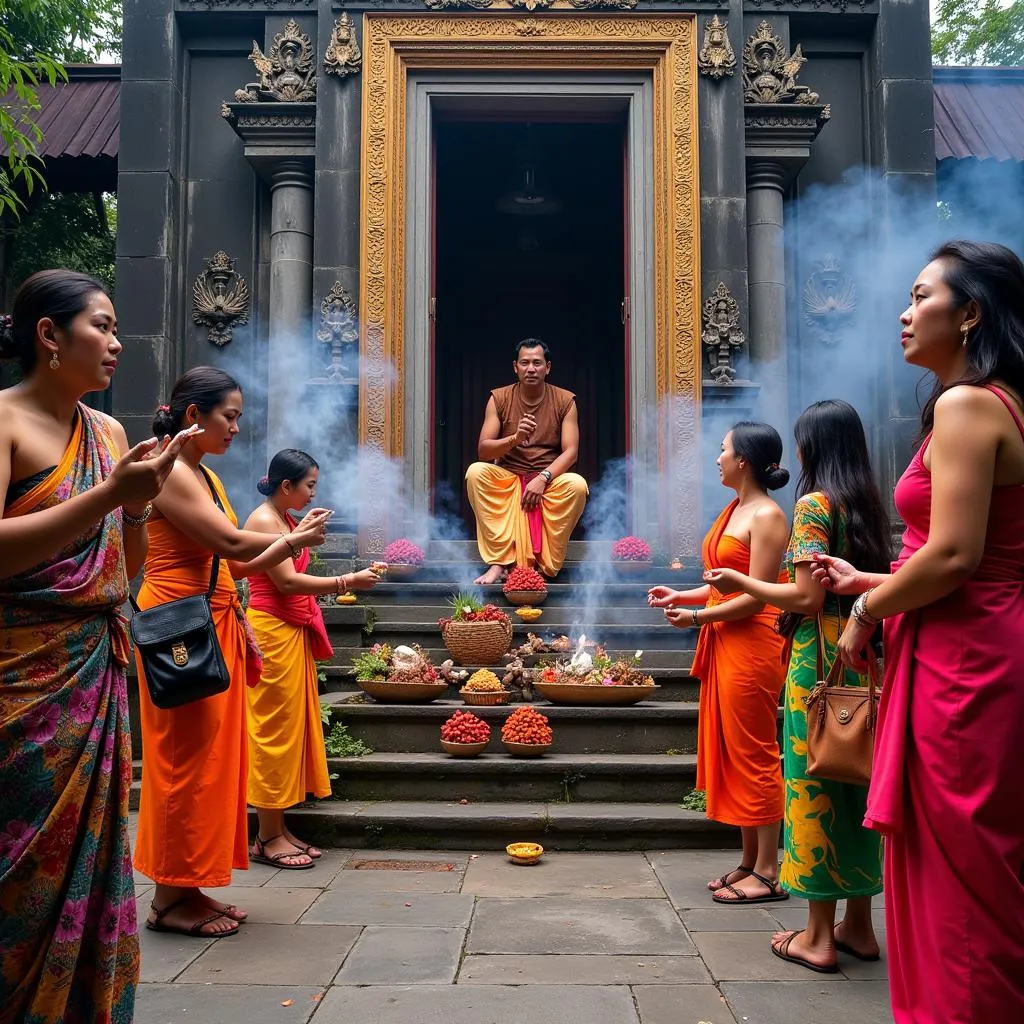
[
  {"x": 681, "y": 618},
  {"x": 365, "y": 579},
  {"x": 725, "y": 581},
  {"x": 852, "y": 645},
  {"x": 661, "y": 597},
  {"x": 139, "y": 474},
  {"x": 312, "y": 531},
  {"x": 838, "y": 576}
]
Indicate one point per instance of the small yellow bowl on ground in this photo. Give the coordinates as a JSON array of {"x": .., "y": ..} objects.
[{"x": 524, "y": 853}]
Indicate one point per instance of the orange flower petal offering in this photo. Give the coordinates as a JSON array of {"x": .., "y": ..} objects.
[
  {"x": 483, "y": 681},
  {"x": 528, "y": 726}
]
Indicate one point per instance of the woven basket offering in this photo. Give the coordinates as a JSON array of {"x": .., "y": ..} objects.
[
  {"x": 477, "y": 643},
  {"x": 485, "y": 698}
]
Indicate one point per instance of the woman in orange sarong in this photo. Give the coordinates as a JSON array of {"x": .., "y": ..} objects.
[
  {"x": 75, "y": 503},
  {"x": 287, "y": 758},
  {"x": 192, "y": 814},
  {"x": 739, "y": 663}
]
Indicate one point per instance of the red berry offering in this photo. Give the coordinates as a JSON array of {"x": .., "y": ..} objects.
[
  {"x": 464, "y": 727},
  {"x": 524, "y": 578}
]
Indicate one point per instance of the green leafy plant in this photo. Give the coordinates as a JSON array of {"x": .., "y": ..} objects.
[
  {"x": 339, "y": 742},
  {"x": 696, "y": 800},
  {"x": 371, "y": 619},
  {"x": 464, "y": 603},
  {"x": 372, "y": 664},
  {"x": 325, "y": 713},
  {"x": 321, "y": 679},
  {"x": 317, "y": 566}
]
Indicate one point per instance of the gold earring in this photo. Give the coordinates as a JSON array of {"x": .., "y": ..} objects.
[
  {"x": 965, "y": 332},
  {"x": 54, "y": 362}
]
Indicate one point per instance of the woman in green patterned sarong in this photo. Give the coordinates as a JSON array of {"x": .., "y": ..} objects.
[{"x": 829, "y": 855}]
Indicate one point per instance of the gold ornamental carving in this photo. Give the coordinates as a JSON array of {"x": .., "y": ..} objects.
[
  {"x": 452, "y": 5},
  {"x": 663, "y": 44},
  {"x": 220, "y": 299},
  {"x": 717, "y": 57},
  {"x": 770, "y": 74},
  {"x": 530, "y": 5},
  {"x": 287, "y": 73},
  {"x": 343, "y": 56}
]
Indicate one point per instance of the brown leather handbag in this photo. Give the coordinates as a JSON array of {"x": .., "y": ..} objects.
[{"x": 841, "y": 722}]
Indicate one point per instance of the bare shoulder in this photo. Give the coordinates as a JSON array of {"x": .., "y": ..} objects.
[
  {"x": 768, "y": 513},
  {"x": 262, "y": 520},
  {"x": 967, "y": 400}
]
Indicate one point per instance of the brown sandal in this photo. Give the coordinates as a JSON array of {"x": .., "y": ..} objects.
[
  {"x": 775, "y": 893},
  {"x": 196, "y": 930},
  {"x": 783, "y": 953},
  {"x": 721, "y": 882},
  {"x": 277, "y": 860}
]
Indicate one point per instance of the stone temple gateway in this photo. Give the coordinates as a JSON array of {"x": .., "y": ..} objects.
[{"x": 359, "y": 207}]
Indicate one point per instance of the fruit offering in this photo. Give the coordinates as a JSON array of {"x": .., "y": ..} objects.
[
  {"x": 527, "y": 725},
  {"x": 403, "y": 552},
  {"x": 524, "y": 578},
  {"x": 483, "y": 681},
  {"x": 467, "y": 608},
  {"x": 527, "y": 614},
  {"x": 346, "y": 599},
  {"x": 464, "y": 727},
  {"x": 631, "y": 549}
]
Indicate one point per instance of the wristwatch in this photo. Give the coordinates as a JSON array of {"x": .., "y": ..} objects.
[{"x": 546, "y": 473}]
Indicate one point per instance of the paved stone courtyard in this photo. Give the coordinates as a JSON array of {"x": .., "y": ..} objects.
[{"x": 600, "y": 938}]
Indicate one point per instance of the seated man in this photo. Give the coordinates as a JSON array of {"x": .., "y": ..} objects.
[{"x": 525, "y": 499}]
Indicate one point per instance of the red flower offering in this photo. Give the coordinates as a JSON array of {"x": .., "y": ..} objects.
[
  {"x": 403, "y": 552},
  {"x": 631, "y": 549}
]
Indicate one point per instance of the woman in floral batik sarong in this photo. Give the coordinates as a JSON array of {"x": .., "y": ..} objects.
[{"x": 68, "y": 944}]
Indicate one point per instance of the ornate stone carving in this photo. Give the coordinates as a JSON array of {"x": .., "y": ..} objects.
[
  {"x": 769, "y": 73},
  {"x": 220, "y": 299},
  {"x": 343, "y": 56},
  {"x": 528, "y": 28},
  {"x": 530, "y": 5},
  {"x": 593, "y": 5},
  {"x": 339, "y": 328},
  {"x": 835, "y": 5},
  {"x": 287, "y": 74},
  {"x": 663, "y": 44},
  {"x": 721, "y": 333},
  {"x": 830, "y": 300},
  {"x": 716, "y": 58},
  {"x": 451, "y": 5}
]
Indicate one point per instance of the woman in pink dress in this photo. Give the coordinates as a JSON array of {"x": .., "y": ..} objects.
[{"x": 949, "y": 751}]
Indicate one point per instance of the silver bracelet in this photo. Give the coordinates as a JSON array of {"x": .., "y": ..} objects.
[
  {"x": 693, "y": 617},
  {"x": 860, "y": 610},
  {"x": 137, "y": 522}
]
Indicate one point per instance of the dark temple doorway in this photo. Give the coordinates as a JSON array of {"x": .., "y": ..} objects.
[{"x": 529, "y": 241}]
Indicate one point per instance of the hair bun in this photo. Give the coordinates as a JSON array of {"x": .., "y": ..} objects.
[
  {"x": 778, "y": 476},
  {"x": 263, "y": 486}
]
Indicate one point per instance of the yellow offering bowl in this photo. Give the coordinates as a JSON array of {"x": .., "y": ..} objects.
[{"x": 524, "y": 853}]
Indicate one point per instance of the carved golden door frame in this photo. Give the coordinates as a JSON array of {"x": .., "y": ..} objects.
[{"x": 665, "y": 45}]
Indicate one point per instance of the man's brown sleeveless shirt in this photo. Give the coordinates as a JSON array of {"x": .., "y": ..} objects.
[{"x": 546, "y": 443}]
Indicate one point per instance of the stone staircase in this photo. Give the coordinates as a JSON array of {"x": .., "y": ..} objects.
[{"x": 615, "y": 778}]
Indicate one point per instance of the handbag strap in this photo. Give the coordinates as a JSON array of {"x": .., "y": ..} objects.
[{"x": 215, "y": 565}]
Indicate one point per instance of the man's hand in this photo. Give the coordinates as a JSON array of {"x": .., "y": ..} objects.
[
  {"x": 533, "y": 492},
  {"x": 527, "y": 425}
]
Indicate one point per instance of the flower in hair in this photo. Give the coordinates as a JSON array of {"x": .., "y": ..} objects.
[
  {"x": 163, "y": 408},
  {"x": 6, "y": 322}
]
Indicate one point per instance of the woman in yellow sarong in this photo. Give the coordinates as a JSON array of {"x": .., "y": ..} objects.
[
  {"x": 75, "y": 504},
  {"x": 287, "y": 758},
  {"x": 192, "y": 815}
]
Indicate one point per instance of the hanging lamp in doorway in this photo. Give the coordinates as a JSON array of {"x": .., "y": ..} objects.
[{"x": 528, "y": 200}]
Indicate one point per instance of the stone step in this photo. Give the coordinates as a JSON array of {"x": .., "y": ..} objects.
[
  {"x": 462, "y": 573},
  {"x": 495, "y": 776},
  {"x": 650, "y": 727},
  {"x": 447, "y": 825},
  {"x": 556, "y": 617},
  {"x": 676, "y": 660}
]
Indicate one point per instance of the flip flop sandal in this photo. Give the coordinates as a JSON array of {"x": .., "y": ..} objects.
[
  {"x": 227, "y": 911},
  {"x": 842, "y": 947},
  {"x": 307, "y": 849},
  {"x": 776, "y": 895},
  {"x": 276, "y": 860},
  {"x": 782, "y": 952},
  {"x": 195, "y": 930},
  {"x": 721, "y": 882}
]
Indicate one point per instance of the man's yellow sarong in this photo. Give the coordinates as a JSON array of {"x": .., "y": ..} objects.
[
  {"x": 502, "y": 530},
  {"x": 286, "y": 741}
]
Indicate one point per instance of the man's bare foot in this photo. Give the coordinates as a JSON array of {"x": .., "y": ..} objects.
[
  {"x": 190, "y": 915},
  {"x": 794, "y": 947},
  {"x": 280, "y": 852},
  {"x": 227, "y": 909},
  {"x": 862, "y": 945},
  {"x": 315, "y": 852},
  {"x": 493, "y": 575}
]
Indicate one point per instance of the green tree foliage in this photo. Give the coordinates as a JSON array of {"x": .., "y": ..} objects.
[
  {"x": 979, "y": 32},
  {"x": 71, "y": 31}
]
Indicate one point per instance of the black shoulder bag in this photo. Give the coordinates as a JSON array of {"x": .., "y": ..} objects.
[{"x": 177, "y": 643}]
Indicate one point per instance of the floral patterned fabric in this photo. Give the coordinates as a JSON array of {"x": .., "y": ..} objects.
[
  {"x": 829, "y": 855},
  {"x": 68, "y": 929}
]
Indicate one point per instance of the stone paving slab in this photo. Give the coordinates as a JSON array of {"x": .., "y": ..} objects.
[
  {"x": 581, "y": 969},
  {"x": 404, "y": 909},
  {"x": 320, "y": 874},
  {"x": 269, "y": 904},
  {"x": 275, "y": 954},
  {"x": 684, "y": 874},
  {"x": 793, "y": 914},
  {"x": 403, "y": 956},
  {"x": 687, "y": 1004},
  {"x": 855, "y": 1002},
  {"x": 609, "y": 875},
  {"x": 478, "y": 1004},
  {"x": 746, "y": 956},
  {"x": 226, "y": 1004},
  {"x": 396, "y": 881},
  {"x": 566, "y": 925},
  {"x": 732, "y": 919},
  {"x": 165, "y": 954}
]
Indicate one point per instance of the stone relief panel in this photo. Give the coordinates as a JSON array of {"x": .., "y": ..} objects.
[
  {"x": 830, "y": 301},
  {"x": 287, "y": 74},
  {"x": 770, "y": 74},
  {"x": 717, "y": 57},
  {"x": 220, "y": 299},
  {"x": 721, "y": 334},
  {"x": 339, "y": 332},
  {"x": 343, "y": 56}
]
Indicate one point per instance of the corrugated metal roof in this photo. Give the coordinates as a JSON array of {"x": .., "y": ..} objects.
[
  {"x": 979, "y": 113},
  {"x": 80, "y": 117}
]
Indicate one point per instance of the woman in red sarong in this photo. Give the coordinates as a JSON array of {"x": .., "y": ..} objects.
[
  {"x": 287, "y": 758},
  {"x": 68, "y": 484},
  {"x": 192, "y": 814},
  {"x": 739, "y": 663},
  {"x": 949, "y": 759}
]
